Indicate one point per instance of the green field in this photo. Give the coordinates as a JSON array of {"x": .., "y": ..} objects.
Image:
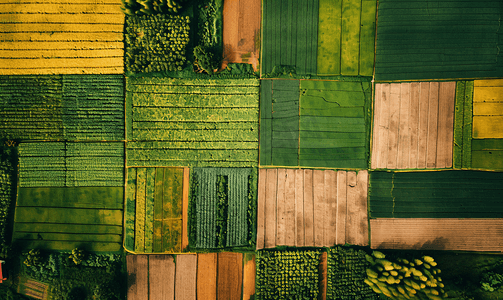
[
  {"x": 346, "y": 34},
  {"x": 452, "y": 39},
  {"x": 290, "y": 35},
  {"x": 154, "y": 199},
  {"x": 173, "y": 122},
  {"x": 315, "y": 123},
  {"x": 63, "y": 218},
  {"x": 60, "y": 164},
  {"x": 442, "y": 194},
  {"x": 71, "y": 107},
  {"x": 222, "y": 207}
]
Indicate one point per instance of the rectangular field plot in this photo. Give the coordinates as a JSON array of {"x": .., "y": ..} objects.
[
  {"x": 413, "y": 125},
  {"x": 346, "y": 33},
  {"x": 438, "y": 40},
  {"x": 191, "y": 276},
  {"x": 437, "y": 234},
  {"x": 333, "y": 124},
  {"x": 478, "y": 137},
  {"x": 279, "y": 122},
  {"x": 156, "y": 210},
  {"x": 222, "y": 207},
  {"x": 65, "y": 107},
  {"x": 174, "y": 122},
  {"x": 63, "y": 218},
  {"x": 311, "y": 208},
  {"x": 241, "y": 32},
  {"x": 290, "y": 35},
  {"x": 440, "y": 194},
  {"x": 67, "y": 164},
  {"x": 61, "y": 37},
  {"x": 312, "y": 123}
]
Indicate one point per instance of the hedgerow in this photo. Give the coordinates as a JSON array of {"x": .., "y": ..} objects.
[{"x": 6, "y": 193}]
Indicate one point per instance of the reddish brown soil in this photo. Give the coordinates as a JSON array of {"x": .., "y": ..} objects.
[{"x": 241, "y": 32}]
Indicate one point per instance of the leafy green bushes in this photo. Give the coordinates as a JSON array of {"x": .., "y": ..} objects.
[
  {"x": 222, "y": 205},
  {"x": 6, "y": 193},
  {"x": 205, "y": 59},
  {"x": 252, "y": 206},
  {"x": 208, "y": 53},
  {"x": 148, "y": 7},
  {"x": 346, "y": 274},
  {"x": 404, "y": 279},
  {"x": 287, "y": 274},
  {"x": 156, "y": 43}
]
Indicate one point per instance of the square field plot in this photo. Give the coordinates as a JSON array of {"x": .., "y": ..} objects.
[
  {"x": 156, "y": 210},
  {"x": 61, "y": 37},
  {"x": 205, "y": 123},
  {"x": 315, "y": 123},
  {"x": 413, "y": 125},
  {"x": 311, "y": 208}
]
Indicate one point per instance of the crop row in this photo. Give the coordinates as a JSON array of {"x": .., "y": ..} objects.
[
  {"x": 72, "y": 107},
  {"x": 221, "y": 204}
]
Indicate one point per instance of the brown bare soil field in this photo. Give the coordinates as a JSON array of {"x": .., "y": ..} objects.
[
  {"x": 230, "y": 275},
  {"x": 241, "y": 32},
  {"x": 249, "y": 276},
  {"x": 162, "y": 277},
  {"x": 207, "y": 276}
]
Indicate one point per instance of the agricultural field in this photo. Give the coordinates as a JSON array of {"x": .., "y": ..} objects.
[
  {"x": 413, "y": 125},
  {"x": 208, "y": 276},
  {"x": 62, "y": 107},
  {"x": 346, "y": 272},
  {"x": 321, "y": 124},
  {"x": 64, "y": 218},
  {"x": 482, "y": 147},
  {"x": 222, "y": 207},
  {"x": 413, "y": 45},
  {"x": 241, "y": 32},
  {"x": 156, "y": 211},
  {"x": 326, "y": 38},
  {"x": 69, "y": 164},
  {"x": 311, "y": 208},
  {"x": 248, "y": 149},
  {"x": 197, "y": 123},
  {"x": 61, "y": 37},
  {"x": 288, "y": 274}
]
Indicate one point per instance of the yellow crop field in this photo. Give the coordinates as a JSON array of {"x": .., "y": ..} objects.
[{"x": 57, "y": 37}]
